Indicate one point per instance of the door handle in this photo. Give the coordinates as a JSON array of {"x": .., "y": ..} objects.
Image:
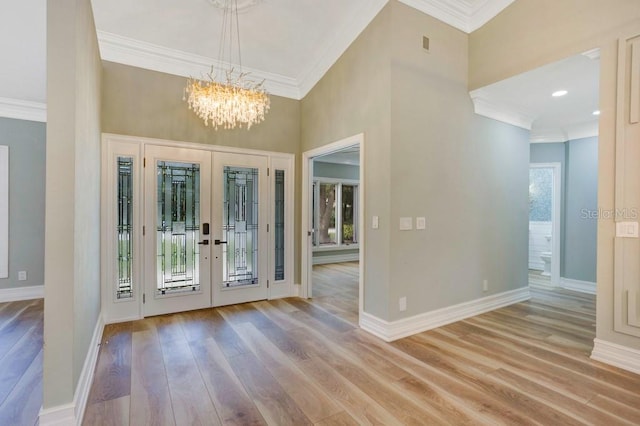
[
  {"x": 218, "y": 242},
  {"x": 204, "y": 242}
]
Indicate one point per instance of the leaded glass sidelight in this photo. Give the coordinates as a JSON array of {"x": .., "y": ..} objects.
[
  {"x": 125, "y": 228},
  {"x": 240, "y": 227},
  {"x": 279, "y": 225},
  {"x": 178, "y": 227}
]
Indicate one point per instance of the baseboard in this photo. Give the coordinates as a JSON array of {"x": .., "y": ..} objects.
[
  {"x": 577, "y": 285},
  {"x": 62, "y": 415},
  {"x": 72, "y": 414},
  {"x": 21, "y": 293},
  {"x": 323, "y": 260},
  {"x": 616, "y": 355},
  {"x": 390, "y": 331}
]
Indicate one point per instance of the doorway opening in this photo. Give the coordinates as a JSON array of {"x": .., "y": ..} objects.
[
  {"x": 333, "y": 231},
  {"x": 544, "y": 223}
]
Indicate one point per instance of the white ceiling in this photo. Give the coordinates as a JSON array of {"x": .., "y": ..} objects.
[
  {"x": 525, "y": 100},
  {"x": 291, "y": 43},
  {"x": 348, "y": 156}
]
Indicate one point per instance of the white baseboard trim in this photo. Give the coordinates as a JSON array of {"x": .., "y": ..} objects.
[
  {"x": 616, "y": 355},
  {"x": 577, "y": 285},
  {"x": 62, "y": 415},
  {"x": 72, "y": 414},
  {"x": 390, "y": 331},
  {"x": 21, "y": 293},
  {"x": 337, "y": 258}
]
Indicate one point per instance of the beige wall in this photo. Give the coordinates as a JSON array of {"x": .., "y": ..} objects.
[
  {"x": 467, "y": 175},
  {"x": 354, "y": 97},
  {"x": 426, "y": 154},
  {"x": 72, "y": 218},
  {"x": 530, "y": 33},
  {"x": 139, "y": 102}
]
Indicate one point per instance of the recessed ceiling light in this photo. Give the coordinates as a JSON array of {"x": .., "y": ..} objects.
[
  {"x": 559, "y": 93},
  {"x": 596, "y": 112}
]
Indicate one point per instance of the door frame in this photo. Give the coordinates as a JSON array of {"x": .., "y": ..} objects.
[
  {"x": 113, "y": 145},
  {"x": 556, "y": 217},
  {"x": 307, "y": 211}
]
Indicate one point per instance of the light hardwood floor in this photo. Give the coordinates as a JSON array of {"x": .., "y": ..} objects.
[
  {"x": 21, "y": 362},
  {"x": 296, "y": 362}
]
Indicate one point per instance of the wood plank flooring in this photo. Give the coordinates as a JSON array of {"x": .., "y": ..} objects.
[
  {"x": 298, "y": 362},
  {"x": 21, "y": 328}
]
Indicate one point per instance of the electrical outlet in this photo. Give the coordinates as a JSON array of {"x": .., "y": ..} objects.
[
  {"x": 485, "y": 285},
  {"x": 22, "y": 275},
  {"x": 421, "y": 223},
  {"x": 402, "y": 304}
]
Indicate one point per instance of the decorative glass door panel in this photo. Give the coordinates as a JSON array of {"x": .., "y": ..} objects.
[
  {"x": 240, "y": 200},
  {"x": 177, "y": 251},
  {"x": 240, "y": 226},
  {"x": 178, "y": 227}
]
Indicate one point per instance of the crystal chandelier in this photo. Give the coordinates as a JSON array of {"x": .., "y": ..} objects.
[{"x": 233, "y": 100}]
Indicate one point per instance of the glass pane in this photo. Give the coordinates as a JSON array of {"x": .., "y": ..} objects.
[
  {"x": 348, "y": 229},
  {"x": 178, "y": 227},
  {"x": 314, "y": 239},
  {"x": 125, "y": 227},
  {"x": 540, "y": 194},
  {"x": 327, "y": 213},
  {"x": 279, "y": 226},
  {"x": 240, "y": 227}
]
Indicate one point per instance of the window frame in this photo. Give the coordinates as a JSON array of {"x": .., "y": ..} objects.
[{"x": 339, "y": 245}]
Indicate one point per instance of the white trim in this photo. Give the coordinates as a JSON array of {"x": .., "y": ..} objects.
[
  {"x": 128, "y": 51},
  {"x": 460, "y": 14},
  {"x": 72, "y": 414},
  {"x": 21, "y": 293},
  {"x": 4, "y": 212},
  {"x": 500, "y": 112},
  {"x": 305, "y": 239},
  {"x": 336, "y": 46},
  {"x": 548, "y": 136},
  {"x": 338, "y": 258},
  {"x": 23, "y": 110},
  {"x": 570, "y": 133},
  {"x": 394, "y": 330},
  {"x": 88, "y": 371},
  {"x": 616, "y": 355},
  {"x": 577, "y": 285},
  {"x": 61, "y": 415}
]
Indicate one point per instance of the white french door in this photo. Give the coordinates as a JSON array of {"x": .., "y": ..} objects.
[
  {"x": 240, "y": 195},
  {"x": 206, "y": 240},
  {"x": 177, "y": 213}
]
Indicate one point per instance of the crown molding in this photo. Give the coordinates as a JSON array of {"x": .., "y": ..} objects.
[
  {"x": 548, "y": 136},
  {"x": 335, "y": 47},
  {"x": 500, "y": 112},
  {"x": 570, "y": 133},
  {"x": 23, "y": 110},
  {"x": 461, "y": 14},
  {"x": 128, "y": 51}
]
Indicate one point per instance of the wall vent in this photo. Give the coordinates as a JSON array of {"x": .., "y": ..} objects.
[{"x": 425, "y": 43}]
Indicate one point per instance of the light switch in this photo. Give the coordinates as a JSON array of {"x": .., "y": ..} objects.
[
  {"x": 627, "y": 229},
  {"x": 375, "y": 222},
  {"x": 421, "y": 223},
  {"x": 406, "y": 223}
]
